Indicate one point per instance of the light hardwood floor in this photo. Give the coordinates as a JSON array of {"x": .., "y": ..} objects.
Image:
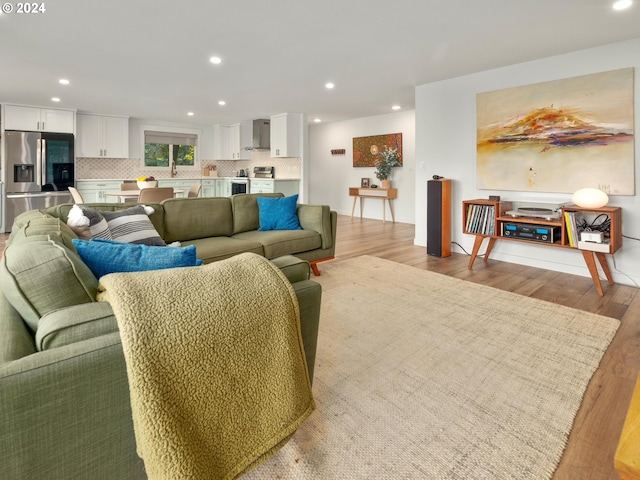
[{"x": 591, "y": 446}]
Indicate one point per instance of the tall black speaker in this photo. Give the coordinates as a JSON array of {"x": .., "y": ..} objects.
[{"x": 439, "y": 217}]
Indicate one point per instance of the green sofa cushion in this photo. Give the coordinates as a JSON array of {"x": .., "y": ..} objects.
[
  {"x": 276, "y": 243},
  {"x": 193, "y": 218},
  {"x": 246, "y": 215},
  {"x": 213, "y": 249},
  {"x": 74, "y": 324},
  {"x": 40, "y": 274}
]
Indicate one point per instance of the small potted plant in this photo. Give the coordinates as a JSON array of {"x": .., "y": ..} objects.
[{"x": 389, "y": 159}]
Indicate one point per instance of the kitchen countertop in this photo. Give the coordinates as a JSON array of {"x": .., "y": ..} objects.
[{"x": 180, "y": 178}]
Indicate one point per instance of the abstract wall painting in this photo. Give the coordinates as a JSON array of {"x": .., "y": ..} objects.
[
  {"x": 366, "y": 149},
  {"x": 558, "y": 136}
]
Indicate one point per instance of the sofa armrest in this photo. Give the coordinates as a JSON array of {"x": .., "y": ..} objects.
[
  {"x": 74, "y": 324},
  {"x": 318, "y": 218},
  {"x": 295, "y": 269},
  {"x": 309, "y": 294},
  {"x": 16, "y": 340},
  {"x": 65, "y": 413}
]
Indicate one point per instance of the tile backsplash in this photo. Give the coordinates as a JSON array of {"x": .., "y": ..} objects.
[{"x": 130, "y": 168}]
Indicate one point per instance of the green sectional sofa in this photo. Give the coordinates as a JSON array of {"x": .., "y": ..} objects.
[
  {"x": 64, "y": 396},
  {"x": 221, "y": 227}
]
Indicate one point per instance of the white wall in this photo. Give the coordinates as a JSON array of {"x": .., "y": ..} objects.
[
  {"x": 330, "y": 176},
  {"x": 445, "y": 140}
]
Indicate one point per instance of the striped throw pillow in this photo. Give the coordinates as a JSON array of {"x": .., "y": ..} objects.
[{"x": 132, "y": 225}]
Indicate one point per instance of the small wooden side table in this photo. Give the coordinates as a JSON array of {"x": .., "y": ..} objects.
[
  {"x": 382, "y": 193},
  {"x": 627, "y": 458}
]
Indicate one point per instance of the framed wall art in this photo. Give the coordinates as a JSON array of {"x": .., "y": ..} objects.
[
  {"x": 558, "y": 136},
  {"x": 366, "y": 149}
]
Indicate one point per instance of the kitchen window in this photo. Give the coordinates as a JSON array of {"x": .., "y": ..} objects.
[{"x": 162, "y": 149}]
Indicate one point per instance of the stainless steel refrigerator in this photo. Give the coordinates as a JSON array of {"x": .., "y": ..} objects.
[{"x": 38, "y": 170}]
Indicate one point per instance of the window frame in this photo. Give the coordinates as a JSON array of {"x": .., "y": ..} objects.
[{"x": 169, "y": 130}]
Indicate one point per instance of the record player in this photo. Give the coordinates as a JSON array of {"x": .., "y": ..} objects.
[{"x": 546, "y": 211}]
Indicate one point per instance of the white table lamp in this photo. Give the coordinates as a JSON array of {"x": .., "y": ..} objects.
[{"x": 590, "y": 198}]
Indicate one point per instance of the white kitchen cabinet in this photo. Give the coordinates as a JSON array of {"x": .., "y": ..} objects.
[
  {"x": 18, "y": 117},
  {"x": 286, "y": 187},
  {"x": 286, "y": 135},
  {"x": 179, "y": 184},
  {"x": 240, "y": 136},
  {"x": 229, "y": 141},
  {"x": 223, "y": 187},
  {"x": 221, "y": 147},
  {"x": 208, "y": 188},
  {"x": 92, "y": 191},
  {"x": 102, "y": 136},
  {"x": 261, "y": 186},
  {"x": 218, "y": 187}
]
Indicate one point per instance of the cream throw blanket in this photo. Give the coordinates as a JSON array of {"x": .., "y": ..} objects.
[{"x": 215, "y": 362}]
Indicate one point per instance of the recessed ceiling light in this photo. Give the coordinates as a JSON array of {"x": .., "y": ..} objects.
[
  {"x": 317, "y": 120},
  {"x": 222, "y": 103},
  {"x": 396, "y": 107},
  {"x": 55, "y": 99},
  {"x": 63, "y": 81},
  {"x": 215, "y": 60},
  {"x": 329, "y": 85},
  {"x": 190, "y": 114},
  {"x": 622, "y": 4}
]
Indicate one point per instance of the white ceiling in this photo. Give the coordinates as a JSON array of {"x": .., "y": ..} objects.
[{"x": 150, "y": 58}]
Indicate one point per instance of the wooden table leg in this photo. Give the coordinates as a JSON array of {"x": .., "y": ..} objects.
[
  {"x": 476, "y": 248},
  {"x": 492, "y": 242},
  {"x": 590, "y": 260},
  {"x": 393, "y": 218},
  {"x": 361, "y": 205},
  {"x": 353, "y": 208},
  {"x": 605, "y": 266}
]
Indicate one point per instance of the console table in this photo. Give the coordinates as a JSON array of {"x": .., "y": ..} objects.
[
  {"x": 488, "y": 219},
  {"x": 382, "y": 193}
]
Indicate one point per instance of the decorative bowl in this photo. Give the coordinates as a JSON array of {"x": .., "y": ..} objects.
[{"x": 147, "y": 184}]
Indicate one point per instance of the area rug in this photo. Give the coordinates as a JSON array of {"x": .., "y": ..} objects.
[{"x": 423, "y": 376}]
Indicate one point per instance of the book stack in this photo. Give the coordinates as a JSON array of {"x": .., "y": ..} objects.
[
  {"x": 572, "y": 224},
  {"x": 480, "y": 219}
]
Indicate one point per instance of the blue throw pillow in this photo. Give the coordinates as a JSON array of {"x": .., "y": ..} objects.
[
  {"x": 106, "y": 256},
  {"x": 280, "y": 213}
]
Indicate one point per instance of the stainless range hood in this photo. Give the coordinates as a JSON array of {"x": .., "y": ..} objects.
[{"x": 261, "y": 135}]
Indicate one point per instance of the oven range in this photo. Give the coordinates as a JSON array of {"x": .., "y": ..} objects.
[{"x": 239, "y": 185}]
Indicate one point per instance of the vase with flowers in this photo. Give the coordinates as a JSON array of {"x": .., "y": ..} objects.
[{"x": 389, "y": 159}]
